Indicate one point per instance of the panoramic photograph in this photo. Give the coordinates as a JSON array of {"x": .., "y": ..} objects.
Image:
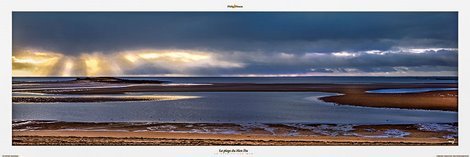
[{"x": 235, "y": 78}]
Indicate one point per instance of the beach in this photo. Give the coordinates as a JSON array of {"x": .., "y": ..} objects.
[
  {"x": 407, "y": 127},
  {"x": 66, "y": 133}
]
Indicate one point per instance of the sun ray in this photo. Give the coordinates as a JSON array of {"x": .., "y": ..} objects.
[
  {"x": 92, "y": 64},
  {"x": 32, "y": 63},
  {"x": 68, "y": 67}
]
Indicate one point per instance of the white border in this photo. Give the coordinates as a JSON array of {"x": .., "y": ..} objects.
[{"x": 7, "y": 6}]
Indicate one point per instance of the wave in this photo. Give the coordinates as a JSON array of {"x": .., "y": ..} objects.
[{"x": 282, "y": 129}]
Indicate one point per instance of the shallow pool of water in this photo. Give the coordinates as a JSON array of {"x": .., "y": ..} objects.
[
  {"x": 228, "y": 107},
  {"x": 409, "y": 90}
]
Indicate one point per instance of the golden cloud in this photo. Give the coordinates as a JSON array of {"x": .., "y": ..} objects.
[{"x": 181, "y": 62}]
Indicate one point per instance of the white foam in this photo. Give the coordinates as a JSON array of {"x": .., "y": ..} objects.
[
  {"x": 329, "y": 130},
  {"x": 16, "y": 124},
  {"x": 396, "y": 133},
  {"x": 162, "y": 128},
  {"x": 293, "y": 133},
  {"x": 28, "y": 128},
  {"x": 436, "y": 127},
  {"x": 450, "y": 136},
  {"x": 250, "y": 126},
  {"x": 21, "y": 123},
  {"x": 391, "y": 133}
]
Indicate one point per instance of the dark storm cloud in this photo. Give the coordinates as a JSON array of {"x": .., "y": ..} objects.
[
  {"x": 362, "y": 61},
  {"x": 263, "y": 43},
  {"x": 89, "y": 32}
]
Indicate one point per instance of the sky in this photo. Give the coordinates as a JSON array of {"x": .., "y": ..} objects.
[{"x": 235, "y": 44}]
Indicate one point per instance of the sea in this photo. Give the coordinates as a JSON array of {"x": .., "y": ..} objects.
[
  {"x": 312, "y": 79},
  {"x": 233, "y": 107}
]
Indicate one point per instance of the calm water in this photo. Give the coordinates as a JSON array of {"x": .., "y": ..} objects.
[
  {"x": 409, "y": 90},
  {"x": 232, "y": 107},
  {"x": 317, "y": 79}
]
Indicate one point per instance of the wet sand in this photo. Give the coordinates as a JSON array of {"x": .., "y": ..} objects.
[
  {"x": 436, "y": 100},
  {"x": 125, "y": 134}
]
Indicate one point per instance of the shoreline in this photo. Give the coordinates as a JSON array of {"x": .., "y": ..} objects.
[
  {"x": 74, "y": 138},
  {"x": 351, "y": 94}
]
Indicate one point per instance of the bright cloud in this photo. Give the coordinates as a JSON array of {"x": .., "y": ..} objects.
[{"x": 175, "y": 62}]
